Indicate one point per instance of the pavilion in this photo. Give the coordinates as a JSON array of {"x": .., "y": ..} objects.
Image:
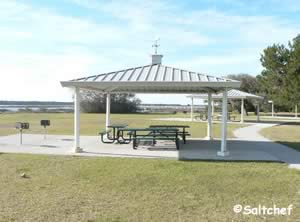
[
  {"x": 157, "y": 79},
  {"x": 232, "y": 94}
]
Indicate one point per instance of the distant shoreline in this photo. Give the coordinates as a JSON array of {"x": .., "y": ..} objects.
[
  {"x": 35, "y": 106},
  {"x": 33, "y": 103}
]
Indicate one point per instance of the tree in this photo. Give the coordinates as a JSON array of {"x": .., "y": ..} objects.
[
  {"x": 280, "y": 78},
  {"x": 248, "y": 84},
  {"x": 293, "y": 80},
  {"x": 272, "y": 81},
  {"x": 95, "y": 102}
]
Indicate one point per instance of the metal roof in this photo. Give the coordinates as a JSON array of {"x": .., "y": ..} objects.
[
  {"x": 153, "y": 78},
  {"x": 232, "y": 94}
]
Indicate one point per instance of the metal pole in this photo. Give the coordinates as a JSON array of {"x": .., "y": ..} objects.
[
  {"x": 45, "y": 132},
  {"x": 107, "y": 122},
  {"x": 242, "y": 111},
  {"x": 272, "y": 109},
  {"x": 209, "y": 117},
  {"x": 296, "y": 111},
  {"x": 224, "y": 151},
  {"x": 77, "y": 148},
  {"x": 257, "y": 112},
  {"x": 21, "y": 136},
  {"x": 192, "y": 109}
]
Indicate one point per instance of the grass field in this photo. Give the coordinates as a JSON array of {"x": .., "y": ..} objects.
[
  {"x": 124, "y": 189},
  {"x": 91, "y": 124},
  {"x": 288, "y": 134}
]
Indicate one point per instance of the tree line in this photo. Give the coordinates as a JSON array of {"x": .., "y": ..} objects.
[{"x": 95, "y": 102}]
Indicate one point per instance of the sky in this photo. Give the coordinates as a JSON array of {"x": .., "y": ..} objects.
[{"x": 45, "y": 42}]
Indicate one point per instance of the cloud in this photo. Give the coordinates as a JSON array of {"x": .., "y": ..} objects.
[
  {"x": 148, "y": 19},
  {"x": 222, "y": 65},
  {"x": 48, "y": 27},
  {"x": 37, "y": 77},
  {"x": 241, "y": 28}
]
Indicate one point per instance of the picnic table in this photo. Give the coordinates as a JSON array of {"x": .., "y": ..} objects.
[
  {"x": 123, "y": 134},
  {"x": 150, "y": 134},
  {"x": 201, "y": 117},
  {"x": 112, "y": 133},
  {"x": 182, "y": 130},
  {"x": 229, "y": 117}
]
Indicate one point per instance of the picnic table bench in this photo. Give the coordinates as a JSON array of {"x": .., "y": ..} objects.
[
  {"x": 151, "y": 134},
  {"x": 112, "y": 133},
  {"x": 182, "y": 130}
]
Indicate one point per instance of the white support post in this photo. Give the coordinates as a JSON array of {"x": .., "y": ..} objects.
[
  {"x": 192, "y": 109},
  {"x": 242, "y": 111},
  {"x": 212, "y": 108},
  {"x": 296, "y": 111},
  {"x": 224, "y": 151},
  {"x": 107, "y": 122},
  {"x": 257, "y": 112},
  {"x": 77, "y": 148},
  {"x": 209, "y": 137}
]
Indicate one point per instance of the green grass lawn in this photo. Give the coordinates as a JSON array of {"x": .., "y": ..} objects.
[
  {"x": 124, "y": 189},
  {"x": 91, "y": 124},
  {"x": 288, "y": 134}
]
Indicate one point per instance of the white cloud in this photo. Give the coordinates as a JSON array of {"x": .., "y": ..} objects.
[
  {"x": 222, "y": 65},
  {"x": 37, "y": 77},
  {"x": 149, "y": 19},
  {"x": 47, "y": 26}
]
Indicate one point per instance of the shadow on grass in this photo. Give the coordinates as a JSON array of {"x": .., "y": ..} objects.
[
  {"x": 293, "y": 145},
  {"x": 291, "y": 123},
  {"x": 274, "y": 122},
  {"x": 233, "y": 161}
]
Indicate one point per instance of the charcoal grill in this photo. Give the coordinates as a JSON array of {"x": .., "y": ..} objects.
[{"x": 21, "y": 126}]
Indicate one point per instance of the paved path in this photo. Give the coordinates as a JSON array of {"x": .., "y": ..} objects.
[
  {"x": 279, "y": 151},
  {"x": 251, "y": 133}
]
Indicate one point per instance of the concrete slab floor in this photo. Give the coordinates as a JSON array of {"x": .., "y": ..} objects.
[{"x": 195, "y": 149}]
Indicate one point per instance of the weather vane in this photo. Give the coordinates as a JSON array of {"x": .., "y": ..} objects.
[{"x": 156, "y": 45}]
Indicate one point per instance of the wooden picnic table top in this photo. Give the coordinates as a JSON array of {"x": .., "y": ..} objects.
[
  {"x": 171, "y": 126},
  {"x": 147, "y": 129},
  {"x": 117, "y": 125}
]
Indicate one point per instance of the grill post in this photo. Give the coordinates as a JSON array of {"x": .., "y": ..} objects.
[
  {"x": 45, "y": 123},
  {"x": 21, "y": 136}
]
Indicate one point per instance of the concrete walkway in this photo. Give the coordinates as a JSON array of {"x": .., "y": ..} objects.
[
  {"x": 279, "y": 151},
  {"x": 251, "y": 132},
  {"x": 248, "y": 145}
]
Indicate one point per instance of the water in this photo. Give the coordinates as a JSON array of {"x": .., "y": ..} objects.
[{"x": 36, "y": 108}]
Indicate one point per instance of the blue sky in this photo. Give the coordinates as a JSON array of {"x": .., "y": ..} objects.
[{"x": 44, "y": 42}]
